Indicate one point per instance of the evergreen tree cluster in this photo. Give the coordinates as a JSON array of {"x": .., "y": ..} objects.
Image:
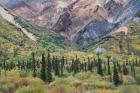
[{"x": 51, "y": 66}]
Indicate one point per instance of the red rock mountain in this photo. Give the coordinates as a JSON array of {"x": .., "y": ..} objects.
[{"x": 81, "y": 21}]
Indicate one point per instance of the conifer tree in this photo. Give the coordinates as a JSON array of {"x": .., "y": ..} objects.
[
  {"x": 92, "y": 65},
  {"x": 108, "y": 65},
  {"x": 62, "y": 65},
  {"x": 56, "y": 67},
  {"x": 139, "y": 62},
  {"x": 85, "y": 67},
  {"x": 49, "y": 69},
  {"x": 18, "y": 65},
  {"x": 34, "y": 65},
  {"x": 125, "y": 70},
  {"x": 0, "y": 68},
  {"x": 104, "y": 68},
  {"x": 43, "y": 69},
  {"x": 4, "y": 67},
  {"x": 89, "y": 65},
  {"x": 133, "y": 70},
  {"x": 119, "y": 68},
  {"x": 76, "y": 65},
  {"x": 136, "y": 62},
  {"x": 72, "y": 66},
  {"x": 99, "y": 67},
  {"x": 116, "y": 79},
  {"x": 53, "y": 63}
]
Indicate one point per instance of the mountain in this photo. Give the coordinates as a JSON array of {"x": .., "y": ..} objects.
[
  {"x": 78, "y": 20},
  {"x": 18, "y": 38},
  {"x": 82, "y": 21}
]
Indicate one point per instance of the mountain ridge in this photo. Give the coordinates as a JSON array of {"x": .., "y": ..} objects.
[{"x": 78, "y": 20}]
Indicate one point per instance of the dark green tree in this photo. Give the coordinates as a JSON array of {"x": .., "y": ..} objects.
[
  {"x": 62, "y": 62},
  {"x": 116, "y": 79},
  {"x": 56, "y": 67},
  {"x": 33, "y": 65},
  {"x": 108, "y": 65},
  {"x": 43, "y": 69},
  {"x": 133, "y": 72},
  {"x": 99, "y": 67},
  {"x": 49, "y": 69},
  {"x": 89, "y": 65},
  {"x": 125, "y": 70},
  {"x": 76, "y": 65}
]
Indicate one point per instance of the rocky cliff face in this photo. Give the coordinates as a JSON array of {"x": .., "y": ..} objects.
[{"x": 81, "y": 21}]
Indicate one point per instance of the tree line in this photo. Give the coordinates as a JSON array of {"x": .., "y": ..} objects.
[{"x": 51, "y": 66}]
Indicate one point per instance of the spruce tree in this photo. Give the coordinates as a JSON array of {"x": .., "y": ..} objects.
[
  {"x": 116, "y": 79},
  {"x": 72, "y": 66},
  {"x": 18, "y": 65},
  {"x": 89, "y": 65},
  {"x": 4, "y": 67},
  {"x": 108, "y": 65},
  {"x": 76, "y": 65},
  {"x": 33, "y": 65},
  {"x": 85, "y": 67},
  {"x": 62, "y": 65},
  {"x": 56, "y": 67},
  {"x": 133, "y": 70},
  {"x": 53, "y": 63},
  {"x": 136, "y": 61},
  {"x": 49, "y": 69},
  {"x": 43, "y": 69},
  {"x": 139, "y": 62},
  {"x": 125, "y": 70},
  {"x": 0, "y": 68},
  {"x": 104, "y": 68},
  {"x": 99, "y": 67}
]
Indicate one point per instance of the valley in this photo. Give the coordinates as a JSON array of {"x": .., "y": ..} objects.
[{"x": 69, "y": 46}]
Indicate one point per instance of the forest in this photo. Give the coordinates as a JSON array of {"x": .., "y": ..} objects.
[{"x": 50, "y": 69}]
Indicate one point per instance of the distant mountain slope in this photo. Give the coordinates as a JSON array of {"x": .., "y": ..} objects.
[
  {"x": 121, "y": 41},
  {"x": 81, "y": 21},
  {"x": 47, "y": 38},
  {"x": 15, "y": 44}
]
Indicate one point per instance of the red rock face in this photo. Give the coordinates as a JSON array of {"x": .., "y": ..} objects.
[
  {"x": 46, "y": 14},
  {"x": 83, "y": 13},
  {"x": 42, "y": 13}
]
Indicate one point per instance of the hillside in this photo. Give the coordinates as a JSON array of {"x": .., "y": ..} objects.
[
  {"x": 78, "y": 20},
  {"x": 15, "y": 44},
  {"x": 121, "y": 42}
]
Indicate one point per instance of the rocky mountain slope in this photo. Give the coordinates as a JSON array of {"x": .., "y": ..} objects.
[
  {"x": 11, "y": 18},
  {"x": 82, "y": 21},
  {"x": 125, "y": 40},
  {"x": 18, "y": 38}
]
